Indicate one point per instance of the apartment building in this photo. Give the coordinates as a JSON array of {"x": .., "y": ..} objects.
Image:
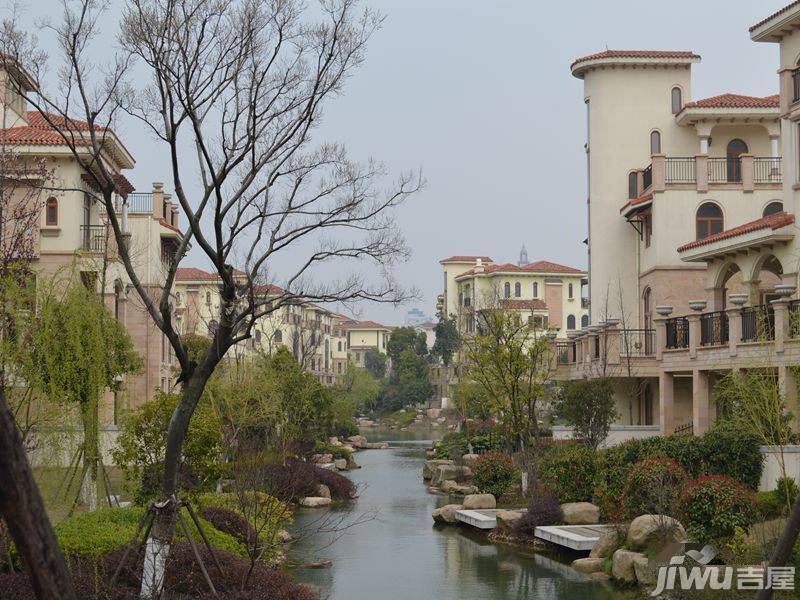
[
  {"x": 546, "y": 294},
  {"x": 73, "y": 229},
  {"x": 691, "y": 231},
  {"x": 362, "y": 336}
]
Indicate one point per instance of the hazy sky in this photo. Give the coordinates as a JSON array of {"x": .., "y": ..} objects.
[{"x": 479, "y": 96}]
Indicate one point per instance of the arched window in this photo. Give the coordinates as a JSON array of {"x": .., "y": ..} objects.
[
  {"x": 517, "y": 289},
  {"x": 177, "y": 297},
  {"x": 51, "y": 212},
  {"x": 709, "y": 220},
  {"x": 647, "y": 303},
  {"x": 655, "y": 142},
  {"x": 570, "y": 292},
  {"x": 507, "y": 290},
  {"x": 772, "y": 208},
  {"x": 339, "y": 345},
  {"x": 677, "y": 100},
  {"x": 585, "y": 321},
  {"x": 212, "y": 327},
  {"x": 208, "y": 297},
  {"x": 633, "y": 185},
  {"x": 535, "y": 289},
  {"x": 571, "y": 322},
  {"x": 735, "y": 150},
  {"x": 279, "y": 336},
  {"x": 258, "y": 336}
]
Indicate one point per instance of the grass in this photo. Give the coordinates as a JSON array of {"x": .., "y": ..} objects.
[{"x": 58, "y": 498}]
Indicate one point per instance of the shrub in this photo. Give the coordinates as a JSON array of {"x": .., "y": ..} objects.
[
  {"x": 727, "y": 450},
  {"x": 229, "y": 522},
  {"x": 769, "y": 505},
  {"x": 654, "y": 486},
  {"x": 714, "y": 505},
  {"x": 494, "y": 473},
  {"x": 785, "y": 491},
  {"x": 340, "y": 486},
  {"x": 568, "y": 471},
  {"x": 543, "y": 509},
  {"x": 298, "y": 478},
  {"x": 589, "y": 406}
]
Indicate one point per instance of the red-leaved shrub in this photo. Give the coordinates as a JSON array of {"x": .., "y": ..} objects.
[
  {"x": 714, "y": 505},
  {"x": 654, "y": 486}
]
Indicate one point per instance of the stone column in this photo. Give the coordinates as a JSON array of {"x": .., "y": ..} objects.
[
  {"x": 659, "y": 172},
  {"x": 694, "y": 334},
  {"x": 661, "y": 336},
  {"x": 734, "y": 329},
  {"x": 701, "y": 170},
  {"x": 700, "y": 401},
  {"x": 612, "y": 345},
  {"x": 748, "y": 166},
  {"x": 774, "y": 145},
  {"x": 666, "y": 402},
  {"x": 782, "y": 333}
]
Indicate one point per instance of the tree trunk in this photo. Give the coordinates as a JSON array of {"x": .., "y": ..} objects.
[
  {"x": 783, "y": 549},
  {"x": 158, "y": 544},
  {"x": 23, "y": 511}
]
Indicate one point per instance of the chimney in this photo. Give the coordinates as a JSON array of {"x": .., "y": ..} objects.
[
  {"x": 167, "y": 206},
  {"x": 175, "y": 214},
  {"x": 158, "y": 200}
]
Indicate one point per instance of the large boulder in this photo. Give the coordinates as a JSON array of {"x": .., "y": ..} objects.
[
  {"x": 446, "y": 513},
  {"x": 341, "y": 464},
  {"x": 654, "y": 532},
  {"x": 322, "y": 491},
  {"x": 588, "y": 565},
  {"x": 622, "y": 565},
  {"x": 314, "y": 502},
  {"x": 464, "y": 489},
  {"x": 645, "y": 572},
  {"x": 507, "y": 518},
  {"x": 430, "y": 466},
  {"x": 580, "y": 513},
  {"x": 470, "y": 460},
  {"x": 358, "y": 441},
  {"x": 376, "y": 446},
  {"x": 433, "y": 413},
  {"x": 479, "y": 502},
  {"x": 448, "y": 486},
  {"x": 608, "y": 542},
  {"x": 445, "y": 472},
  {"x": 322, "y": 459}
]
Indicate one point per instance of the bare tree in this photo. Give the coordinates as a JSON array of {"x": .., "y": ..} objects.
[{"x": 233, "y": 93}]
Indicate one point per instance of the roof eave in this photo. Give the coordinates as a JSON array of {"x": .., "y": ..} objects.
[
  {"x": 579, "y": 68},
  {"x": 687, "y": 115},
  {"x": 775, "y": 28},
  {"x": 738, "y": 243}
]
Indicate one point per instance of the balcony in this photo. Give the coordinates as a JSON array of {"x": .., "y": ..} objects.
[
  {"x": 714, "y": 329},
  {"x": 637, "y": 342},
  {"x": 93, "y": 238},
  {"x": 140, "y": 203},
  {"x": 677, "y": 333}
]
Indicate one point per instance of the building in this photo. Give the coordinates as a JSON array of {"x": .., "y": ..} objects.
[
  {"x": 692, "y": 241},
  {"x": 362, "y": 336},
  {"x": 546, "y": 294},
  {"x": 73, "y": 228}
]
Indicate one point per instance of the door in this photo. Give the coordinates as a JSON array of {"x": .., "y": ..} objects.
[{"x": 736, "y": 148}]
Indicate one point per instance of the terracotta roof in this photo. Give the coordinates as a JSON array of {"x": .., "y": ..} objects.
[
  {"x": 512, "y": 304},
  {"x": 786, "y": 8},
  {"x": 636, "y": 54},
  {"x": 736, "y": 101},
  {"x": 38, "y": 131},
  {"x": 774, "y": 221},
  {"x": 540, "y": 266},
  {"x": 640, "y": 200},
  {"x": 465, "y": 258},
  {"x": 168, "y": 226},
  {"x": 194, "y": 274},
  {"x": 121, "y": 182},
  {"x": 364, "y": 325}
]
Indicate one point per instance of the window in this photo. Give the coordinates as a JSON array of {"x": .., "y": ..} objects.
[
  {"x": 538, "y": 321},
  {"x": 585, "y": 321},
  {"x": 655, "y": 142},
  {"x": 517, "y": 289},
  {"x": 177, "y": 297},
  {"x": 709, "y": 220},
  {"x": 507, "y": 290},
  {"x": 279, "y": 336},
  {"x": 772, "y": 208},
  {"x": 208, "y": 297},
  {"x": 339, "y": 368},
  {"x": 212, "y": 327},
  {"x": 51, "y": 212},
  {"x": 535, "y": 289},
  {"x": 571, "y": 322},
  {"x": 734, "y": 164},
  {"x": 339, "y": 346},
  {"x": 633, "y": 185},
  {"x": 570, "y": 292},
  {"x": 647, "y": 302},
  {"x": 677, "y": 100},
  {"x": 258, "y": 336},
  {"x": 647, "y": 229}
]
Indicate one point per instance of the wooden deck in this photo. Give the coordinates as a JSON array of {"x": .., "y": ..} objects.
[{"x": 576, "y": 537}]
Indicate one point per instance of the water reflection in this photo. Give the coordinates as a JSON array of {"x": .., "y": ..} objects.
[{"x": 400, "y": 554}]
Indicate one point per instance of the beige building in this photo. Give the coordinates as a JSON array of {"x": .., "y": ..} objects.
[
  {"x": 546, "y": 294},
  {"x": 362, "y": 336},
  {"x": 691, "y": 228}
]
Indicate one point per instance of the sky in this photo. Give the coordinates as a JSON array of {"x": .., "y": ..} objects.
[{"x": 479, "y": 96}]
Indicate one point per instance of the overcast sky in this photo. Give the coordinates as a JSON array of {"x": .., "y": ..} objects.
[{"x": 479, "y": 96}]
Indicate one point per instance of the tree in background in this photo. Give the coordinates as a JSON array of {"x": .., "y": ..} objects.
[
  {"x": 411, "y": 375},
  {"x": 359, "y": 387},
  {"x": 588, "y": 405},
  {"x": 406, "y": 338},
  {"x": 375, "y": 363},
  {"x": 445, "y": 346}
]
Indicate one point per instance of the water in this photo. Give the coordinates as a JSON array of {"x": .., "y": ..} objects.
[{"x": 400, "y": 554}]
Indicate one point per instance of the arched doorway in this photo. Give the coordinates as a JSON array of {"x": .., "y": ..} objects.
[{"x": 736, "y": 148}]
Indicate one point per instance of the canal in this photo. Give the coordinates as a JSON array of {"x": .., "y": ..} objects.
[{"x": 397, "y": 553}]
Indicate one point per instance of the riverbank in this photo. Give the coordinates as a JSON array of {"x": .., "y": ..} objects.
[{"x": 398, "y": 553}]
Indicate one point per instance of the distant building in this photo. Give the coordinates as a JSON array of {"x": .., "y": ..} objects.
[
  {"x": 523, "y": 257},
  {"x": 416, "y": 317}
]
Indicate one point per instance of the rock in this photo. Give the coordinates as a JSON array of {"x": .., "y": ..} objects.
[
  {"x": 622, "y": 565},
  {"x": 314, "y": 502},
  {"x": 430, "y": 454},
  {"x": 341, "y": 464},
  {"x": 433, "y": 413},
  {"x": 322, "y": 564},
  {"x": 608, "y": 541},
  {"x": 479, "y": 501},
  {"x": 323, "y": 491},
  {"x": 654, "y": 531},
  {"x": 588, "y": 565},
  {"x": 430, "y": 466},
  {"x": 348, "y": 448},
  {"x": 470, "y": 460},
  {"x": 322, "y": 459},
  {"x": 366, "y": 423},
  {"x": 454, "y": 472},
  {"x": 358, "y": 441},
  {"x": 580, "y": 513},
  {"x": 599, "y": 576},
  {"x": 645, "y": 574},
  {"x": 334, "y": 441},
  {"x": 446, "y": 513},
  {"x": 464, "y": 490},
  {"x": 448, "y": 486},
  {"x": 441, "y": 419},
  {"x": 507, "y": 518},
  {"x": 377, "y": 446},
  {"x": 284, "y": 536},
  {"x": 351, "y": 463}
]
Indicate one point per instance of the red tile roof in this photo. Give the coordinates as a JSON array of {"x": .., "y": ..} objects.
[
  {"x": 512, "y": 304},
  {"x": 774, "y": 221},
  {"x": 466, "y": 258},
  {"x": 668, "y": 54},
  {"x": 38, "y": 131},
  {"x": 736, "y": 101},
  {"x": 786, "y": 8},
  {"x": 635, "y": 201},
  {"x": 364, "y": 325},
  {"x": 540, "y": 266},
  {"x": 194, "y": 274}
]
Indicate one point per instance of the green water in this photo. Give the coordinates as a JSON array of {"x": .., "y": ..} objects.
[{"x": 398, "y": 553}]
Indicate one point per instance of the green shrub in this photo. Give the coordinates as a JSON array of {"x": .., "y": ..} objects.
[
  {"x": 732, "y": 452},
  {"x": 568, "y": 471},
  {"x": 785, "y": 491},
  {"x": 654, "y": 486},
  {"x": 494, "y": 473},
  {"x": 714, "y": 505},
  {"x": 769, "y": 505}
]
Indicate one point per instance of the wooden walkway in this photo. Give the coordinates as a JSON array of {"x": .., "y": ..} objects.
[{"x": 576, "y": 537}]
